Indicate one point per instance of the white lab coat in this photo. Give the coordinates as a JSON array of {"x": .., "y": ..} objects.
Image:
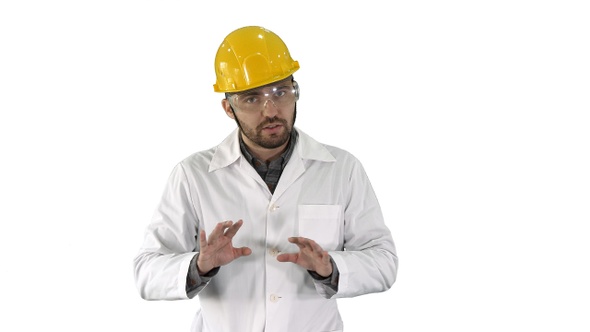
[{"x": 323, "y": 194}]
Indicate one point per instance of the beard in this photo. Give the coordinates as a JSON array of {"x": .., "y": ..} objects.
[{"x": 271, "y": 141}]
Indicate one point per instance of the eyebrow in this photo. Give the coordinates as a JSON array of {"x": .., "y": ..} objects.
[{"x": 259, "y": 90}]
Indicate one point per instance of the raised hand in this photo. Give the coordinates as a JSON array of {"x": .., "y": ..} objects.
[
  {"x": 218, "y": 250},
  {"x": 310, "y": 256}
]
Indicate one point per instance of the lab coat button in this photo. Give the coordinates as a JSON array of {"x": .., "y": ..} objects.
[
  {"x": 273, "y": 208},
  {"x": 274, "y": 298},
  {"x": 274, "y": 252}
]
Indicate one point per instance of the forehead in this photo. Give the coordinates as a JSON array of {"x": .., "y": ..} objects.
[{"x": 269, "y": 87}]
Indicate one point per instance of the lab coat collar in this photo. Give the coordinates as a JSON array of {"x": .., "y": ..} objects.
[{"x": 229, "y": 152}]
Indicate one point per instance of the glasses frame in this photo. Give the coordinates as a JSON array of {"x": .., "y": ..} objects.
[{"x": 230, "y": 97}]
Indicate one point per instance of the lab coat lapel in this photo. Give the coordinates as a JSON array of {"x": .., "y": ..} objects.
[
  {"x": 249, "y": 171},
  {"x": 307, "y": 149},
  {"x": 228, "y": 154},
  {"x": 293, "y": 170}
]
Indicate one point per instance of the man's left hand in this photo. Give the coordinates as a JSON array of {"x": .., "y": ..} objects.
[{"x": 310, "y": 256}]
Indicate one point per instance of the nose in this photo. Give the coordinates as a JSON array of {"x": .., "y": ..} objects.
[{"x": 270, "y": 109}]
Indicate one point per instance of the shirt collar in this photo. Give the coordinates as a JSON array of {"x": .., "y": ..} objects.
[
  {"x": 228, "y": 152},
  {"x": 283, "y": 158}
]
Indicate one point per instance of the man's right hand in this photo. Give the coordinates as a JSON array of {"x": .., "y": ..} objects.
[{"x": 218, "y": 250}]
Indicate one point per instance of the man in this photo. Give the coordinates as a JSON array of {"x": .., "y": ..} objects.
[{"x": 270, "y": 227}]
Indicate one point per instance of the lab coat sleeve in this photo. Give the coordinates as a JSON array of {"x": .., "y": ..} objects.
[
  {"x": 162, "y": 264},
  {"x": 369, "y": 261}
]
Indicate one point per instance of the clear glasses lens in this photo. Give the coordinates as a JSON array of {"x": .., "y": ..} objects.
[{"x": 257, "y": 99}]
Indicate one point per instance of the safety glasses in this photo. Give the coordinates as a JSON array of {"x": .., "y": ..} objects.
[{"x": 281, "y": 95}]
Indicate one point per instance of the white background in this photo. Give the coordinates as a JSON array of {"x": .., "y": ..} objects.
[{"x": 470, "y": 117}]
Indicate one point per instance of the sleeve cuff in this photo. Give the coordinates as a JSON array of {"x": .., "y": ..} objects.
[
  {"x": 331, "y": 280},
  {"x": 196, "y": 282}
]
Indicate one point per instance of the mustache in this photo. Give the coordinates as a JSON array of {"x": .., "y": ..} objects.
[{"x": 272, "y": 121}]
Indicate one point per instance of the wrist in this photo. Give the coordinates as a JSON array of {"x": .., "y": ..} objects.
[
  {"x": 325, "y": 272},
  {"x": 202, "y": 271},
  {"x": 203, "y": 268}
]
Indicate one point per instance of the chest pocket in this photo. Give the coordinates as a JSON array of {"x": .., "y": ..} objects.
[{"x": 323, "y": 224}]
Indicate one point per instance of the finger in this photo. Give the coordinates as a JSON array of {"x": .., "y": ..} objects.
[
  {"x": 311, "y": 244},
  {"x": 316, "y": 247},
  {"x": 231, "y": 231},
  {"x": 297, "y": 240},
  {"x": 219, "y": 230},
  {"x": 202, "y": 239},
  {"x": 301, "y": 242},
  {"x": 300, "y": 245},
  {"x": 287, "y": 258}
]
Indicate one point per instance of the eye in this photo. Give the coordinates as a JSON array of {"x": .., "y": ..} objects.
[
  {"x": 281, "y": 92},
  {"x": 250, "y": 99}
]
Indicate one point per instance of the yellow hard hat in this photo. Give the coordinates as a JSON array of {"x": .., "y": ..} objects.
[{"x": 251, "y": 57}]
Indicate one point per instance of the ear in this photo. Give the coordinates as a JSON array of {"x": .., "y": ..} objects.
[{"x": 227, "y": 108}]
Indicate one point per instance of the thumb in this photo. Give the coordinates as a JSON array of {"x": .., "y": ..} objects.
[
  {"x": 287, "y": 258},
  {"x": 243, "y": 251}
]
